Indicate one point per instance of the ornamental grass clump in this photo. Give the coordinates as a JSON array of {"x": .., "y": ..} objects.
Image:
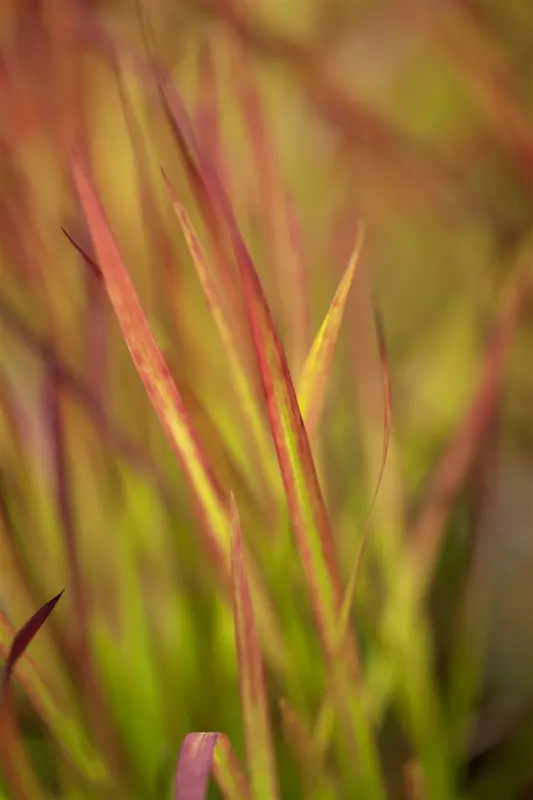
[{"x": 178, "y": 469}]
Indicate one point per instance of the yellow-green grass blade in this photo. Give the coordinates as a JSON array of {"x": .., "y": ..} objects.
[
  {"x": 317, "y": 366},
  {"x": 219, "y": 312},
  {"x": 228, "y": 773},
  {"x": 254, "y": 703}
]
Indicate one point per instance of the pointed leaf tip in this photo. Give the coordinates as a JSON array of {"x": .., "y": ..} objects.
[
  {"x": 317, "y": 366},
  {"x": 25, "y": 635},
  {"x": 194, "y": 766}
]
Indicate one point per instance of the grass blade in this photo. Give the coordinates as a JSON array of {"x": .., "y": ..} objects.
[
  {"x": 167, "y": 401},
  {"x": 17, "y": 766},
  {"x": 259, "y": 746},
  {"x": 306, "y": 504},
  {"x": 228, "y": 773},
  {"x": 194, "y": 766},
  {"x": 25, "y": 635},
  {"x": 323, "y": 726},
  {"x": 248, "y": 403},
  {"x": 317, "y": 366}
]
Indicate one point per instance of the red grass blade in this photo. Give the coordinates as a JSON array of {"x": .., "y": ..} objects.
[
  {"x": 26, "y": 634},
  {"x": 317, "y": 366},
  {"x": 259, "y": 746},
  {"x": 194, "y": 766},
  {"x": 17, "y": 766},
  {"x": 166, "y": 399}
]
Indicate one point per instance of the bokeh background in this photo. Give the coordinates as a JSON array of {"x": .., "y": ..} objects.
[{"x": 413, "y": 117}]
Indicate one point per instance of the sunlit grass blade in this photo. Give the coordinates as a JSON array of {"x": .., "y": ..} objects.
[
  {"x": 258, "y": 735},
  {"x": 194, "y": 766},
  {"x": 317, "y": 366},
  {"x": 168, "y": 402},
  {"x": 228, "y": 773},
  {"x": 219, "y": 311}
]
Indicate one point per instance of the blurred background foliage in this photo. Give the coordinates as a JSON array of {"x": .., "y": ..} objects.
[{"x": 415, "y": 117}]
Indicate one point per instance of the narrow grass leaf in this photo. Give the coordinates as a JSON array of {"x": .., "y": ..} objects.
[
  {"x": 25, "y": 635},
  {"x": 194, "y": 766},
  {"x": 17, "y": 766},
  {"x": 152, "y": 367},
  {"x": 317, "y": 366},
  {"x": 167, "y": 401},
  {"x": 219, "y": 312},
  {"x": 228, "y": 773},
  {"x": 258, "y": 736},
  {"x": 66, "y": 730},
  {"x": 323, "y": 727}
]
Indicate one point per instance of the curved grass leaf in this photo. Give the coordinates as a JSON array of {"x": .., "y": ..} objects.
[
  {"x": 317, "y": 366},
  {"x": 194, "y": 766},
  {"x": 259, "y": 746}
]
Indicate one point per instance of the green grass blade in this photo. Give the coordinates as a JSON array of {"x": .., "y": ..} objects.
[
  {"x": 228, "y": 773},
  {"x": 258, "y": 736}
]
